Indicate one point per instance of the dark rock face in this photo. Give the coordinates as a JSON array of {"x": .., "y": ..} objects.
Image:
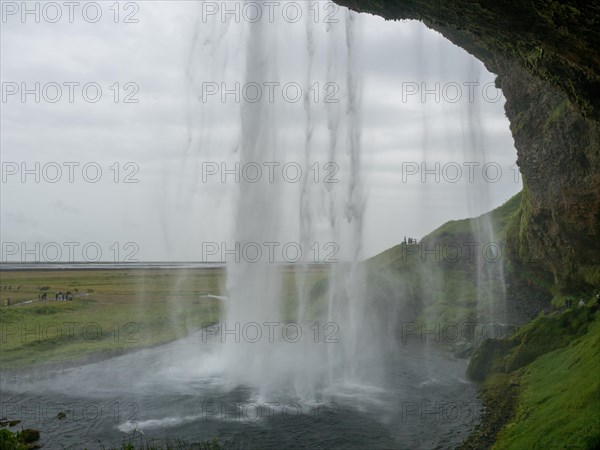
[
  {"x": 559, "y": 157},
  {"x": 547, "y": 58}
]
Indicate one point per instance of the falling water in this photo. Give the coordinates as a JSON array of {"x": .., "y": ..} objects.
[
  {"x": 485, "y": 295},
  {"x": 490, "y": 283},
  {"x": 337, "y": 332},
  {"x": 254, "y": 289},
  {"x": 348, "y": 358}
]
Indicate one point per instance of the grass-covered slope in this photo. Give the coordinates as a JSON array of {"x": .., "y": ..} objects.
[
  {"x": 560, "y": 401},
  {"x": 542, "y": 385},
  {"x": 449, "y": 277}
]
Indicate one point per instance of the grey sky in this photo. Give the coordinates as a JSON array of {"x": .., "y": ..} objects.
[{"x": 169, "y": 212}]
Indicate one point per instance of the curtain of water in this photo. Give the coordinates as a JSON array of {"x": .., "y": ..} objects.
[
  {"x": 254, "y": 288},
  {"x": 490, "y": 274},
  {"x": 326, "y": 212}
]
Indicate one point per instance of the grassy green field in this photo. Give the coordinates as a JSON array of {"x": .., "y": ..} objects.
[
  {"x": 560, "y": 399},
  {"x": 115, "y": 310},
  {"x": 541, "y": 386}
]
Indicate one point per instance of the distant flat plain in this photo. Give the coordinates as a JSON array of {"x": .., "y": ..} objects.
[{"x": 113, "y": 311}]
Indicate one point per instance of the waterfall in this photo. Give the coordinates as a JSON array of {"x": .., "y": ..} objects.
[
  {"x": 331, "y": 338},
  {"x": 490, "y": 284},
  {"x": 254, "y": 288}
]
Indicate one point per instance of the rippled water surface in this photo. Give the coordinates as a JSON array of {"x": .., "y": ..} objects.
[{"x": 177, "y": 391}]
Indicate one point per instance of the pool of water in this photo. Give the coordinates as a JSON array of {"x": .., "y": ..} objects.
[{"x": 175, "y": 391}]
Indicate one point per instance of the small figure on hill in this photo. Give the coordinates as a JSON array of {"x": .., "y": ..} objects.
[
  {"x": 568, "y": 303},
  {"x": 581, "y": 303},
  {"x": 8, "y": 301}
]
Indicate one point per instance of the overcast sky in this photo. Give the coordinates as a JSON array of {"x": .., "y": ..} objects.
[{"x": 152, "y": 152}]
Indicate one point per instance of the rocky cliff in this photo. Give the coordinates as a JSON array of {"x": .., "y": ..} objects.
[{"x": 546, "y": 56}]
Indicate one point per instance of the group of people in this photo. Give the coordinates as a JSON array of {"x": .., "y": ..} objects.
[
  {"x": 59, "y": 296},
  {"x": 63, "y": 296},
  {"x": 410, "y": 241}
]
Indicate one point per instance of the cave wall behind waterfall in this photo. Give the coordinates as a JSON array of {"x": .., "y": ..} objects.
[{"x": 546, "y": 55}]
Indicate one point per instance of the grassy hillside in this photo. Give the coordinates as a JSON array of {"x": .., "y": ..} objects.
[
  {"x": 452, "y": 275},
  {"x": 560, "y": 399},
  {"x": 542, "y": 385}
]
